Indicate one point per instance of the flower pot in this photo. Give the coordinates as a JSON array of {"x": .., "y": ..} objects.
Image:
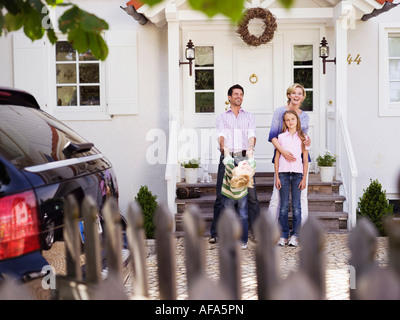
[
  {"x": 327, "y": 173},
  {"x": 191, "y": 175}
]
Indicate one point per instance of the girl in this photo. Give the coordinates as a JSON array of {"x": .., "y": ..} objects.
[{"x": 291, "y": 175}]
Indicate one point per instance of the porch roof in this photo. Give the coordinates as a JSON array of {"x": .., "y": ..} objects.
[{"x": 321, "y": 12}]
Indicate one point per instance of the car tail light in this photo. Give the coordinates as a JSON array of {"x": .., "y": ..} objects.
[{"x": 19, "y": 227}]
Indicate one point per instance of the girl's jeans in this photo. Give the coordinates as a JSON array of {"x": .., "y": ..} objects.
[
  {"x": 290, "y": 180},
  {"x": 241, "y": 210}
]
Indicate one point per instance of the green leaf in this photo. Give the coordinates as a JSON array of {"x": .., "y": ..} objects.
[
  {"x": 33, "y": 23},
  {"x": 13, "y": 22},
  {"x": 52, "y": 36},
  {"x": 14, "y": 7},
  {"x": 287, "y": 3},
  {"x": 84, "y": 31},
  {"x": 232, "y": 9},
  {"x": 1, "y": 22}
]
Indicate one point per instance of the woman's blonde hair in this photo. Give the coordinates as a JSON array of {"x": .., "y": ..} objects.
[
  {"x": 241, "y": 180},
  {"x": 298, "y": 126},
  {"x": 293, "y": 87}
]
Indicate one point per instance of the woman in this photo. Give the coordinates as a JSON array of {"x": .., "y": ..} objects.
[{"x": 296, "y": 95}]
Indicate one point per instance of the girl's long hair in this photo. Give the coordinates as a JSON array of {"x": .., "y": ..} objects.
[{"x": 298, "y": 126}]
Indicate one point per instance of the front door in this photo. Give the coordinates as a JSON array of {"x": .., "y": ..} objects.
[{"x": 265, "y": 72}]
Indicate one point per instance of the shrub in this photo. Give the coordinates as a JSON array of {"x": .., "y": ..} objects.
[
  {"x": 374, "y": 205},
  {"x": 148, "y": 204}
]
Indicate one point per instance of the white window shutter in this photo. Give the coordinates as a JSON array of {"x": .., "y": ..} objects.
[
  {"x": 31, "y": 67},
  {"x": 121, "y": 73}
]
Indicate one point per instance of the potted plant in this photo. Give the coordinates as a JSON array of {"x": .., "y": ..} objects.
[
  {"x": 191, "y": 166},
  {"x": 326, "y": 164}
]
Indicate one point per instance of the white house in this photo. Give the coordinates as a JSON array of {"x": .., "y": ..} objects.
[{"x": 144, "y": 111}]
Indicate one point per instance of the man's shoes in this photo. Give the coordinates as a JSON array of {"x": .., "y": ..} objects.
[
  {"x": 213, "y": 240},
  {"x": 244, "y": 246}
]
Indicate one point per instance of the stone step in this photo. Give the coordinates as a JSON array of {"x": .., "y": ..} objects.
[
  {"x": 316, "y": 202},
  {"x": 330, "y": 221},
  {"x": 265, "y": 183}
]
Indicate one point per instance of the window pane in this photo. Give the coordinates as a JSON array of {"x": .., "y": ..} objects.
[
  {"x": 89, "y": 73},
  {"x": 204, "y": 79},
  {"x": 87, "y": 56},
  {"x": 394, "y": 46},
  {"x": 90, "y": 95},
  {"x": 307, "y": 104},
  {"x": 66, "y": 73},
  {"x": 304, "y": 76},
  {"x": 303, "y": 55},
  {"x": 204, "y": 102},
  {"x": 65, "y": 52},
  {"x": 204, "y": 57},
  {"x": 394, "y": 69},
  {"x": 394, "y": 88},
  {"x": 66, "y": 96}
]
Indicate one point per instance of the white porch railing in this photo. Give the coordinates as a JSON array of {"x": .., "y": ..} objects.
[{"x": 348, "y": 170}]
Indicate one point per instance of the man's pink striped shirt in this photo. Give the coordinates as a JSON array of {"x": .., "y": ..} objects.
[{"x": 236, "y": 131}]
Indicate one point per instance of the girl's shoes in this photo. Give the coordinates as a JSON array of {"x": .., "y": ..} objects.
[
  {"x": 282, "y": 242},
  {"x": 294, "y": 241}
]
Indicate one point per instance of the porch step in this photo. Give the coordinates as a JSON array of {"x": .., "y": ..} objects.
[
  {"x": 330, "y": 221},
  {"x": 324, "y": 201}
]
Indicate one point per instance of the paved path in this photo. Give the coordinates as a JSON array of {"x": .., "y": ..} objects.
[{"x": 337, "y": 270}]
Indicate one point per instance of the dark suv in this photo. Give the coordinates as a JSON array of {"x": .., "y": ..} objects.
[{"x": 41, "y": 162}]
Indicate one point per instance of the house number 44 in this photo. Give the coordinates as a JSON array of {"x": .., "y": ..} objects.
[{"x": 350, "y": 59}]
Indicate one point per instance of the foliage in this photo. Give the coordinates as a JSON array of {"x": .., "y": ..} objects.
[
  {"x": 148, "y": 204},
  {"x": 374, "y": 205},
  {"x": 83, "y": 28},
  {"x": 190, "y": 162},
  {"x": 326, "y": 160}
]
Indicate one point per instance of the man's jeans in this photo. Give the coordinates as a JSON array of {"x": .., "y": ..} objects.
[
  {"x": 241, "y": 210},
  {"x": 253, "y": 204},
  {"x": 290, "y": 180}
]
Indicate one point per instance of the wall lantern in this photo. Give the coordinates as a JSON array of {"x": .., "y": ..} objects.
[
  {"x": 189, "y": 54},
  {"x": 324, "y": 53}
]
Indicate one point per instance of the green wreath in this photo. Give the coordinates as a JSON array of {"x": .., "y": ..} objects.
[{"x": 269, "y": 26}]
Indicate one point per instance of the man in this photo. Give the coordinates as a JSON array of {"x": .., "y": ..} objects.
[{"x": 236, "y": 129}]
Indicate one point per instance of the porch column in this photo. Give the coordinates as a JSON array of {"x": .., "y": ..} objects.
[
  {"x": 341, "y": 26},
  {"x": 173, "y": 102}
]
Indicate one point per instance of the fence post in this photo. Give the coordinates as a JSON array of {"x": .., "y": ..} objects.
[
  {"x": 195, "y": 258},
  {"x": 136, "y": 236},
  {"x": 92, "y": 241},
  {"x": 312, "y": 259},
  {"x": 267, "y": 235},
  {"x": 72, "y": 238},
  {"x": 165, "y": 248},
  {"x": 362, "y": 244},
  {"x": 372, "y": 281},
  {"x": 229, "y": 232}
]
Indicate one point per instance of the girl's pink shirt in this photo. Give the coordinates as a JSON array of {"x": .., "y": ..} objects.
[{"x": 292, "y": 144}]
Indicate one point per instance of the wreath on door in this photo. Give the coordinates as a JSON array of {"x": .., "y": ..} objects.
[{"x": 269, "y": 26}]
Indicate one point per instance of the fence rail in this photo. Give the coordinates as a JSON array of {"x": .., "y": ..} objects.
[{"x": 308, "y": 282}]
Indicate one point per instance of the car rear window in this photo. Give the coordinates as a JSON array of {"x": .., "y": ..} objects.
[{"x": 30, "y": 137}]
